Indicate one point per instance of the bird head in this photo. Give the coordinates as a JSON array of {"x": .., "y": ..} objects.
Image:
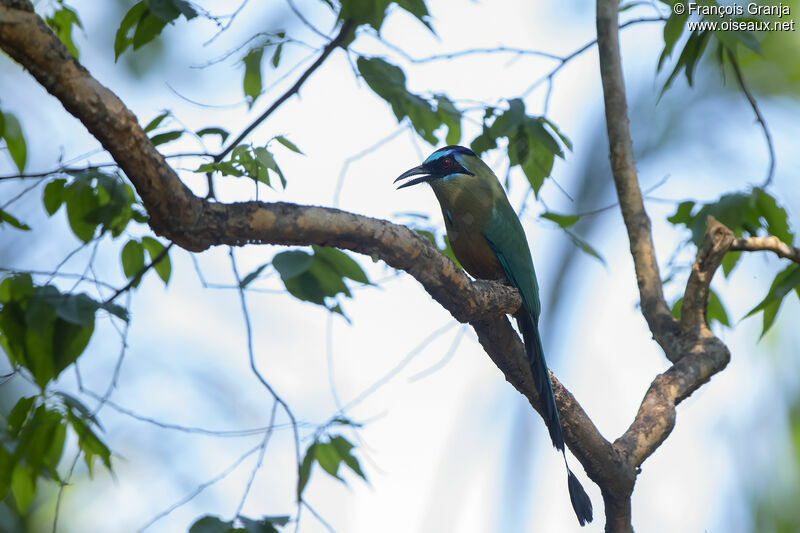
[{"x": 444, "y": 163}]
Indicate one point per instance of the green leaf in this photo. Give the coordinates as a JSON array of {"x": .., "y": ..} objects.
[
  {"x": 166, "y": 137},
  {"x": 53, "y": 197},
  {"x": 23, "y": 487},
  {"x": 783, "y": 283},
  {"x": 584, "y": 246},
  {"x": 304, "y": 470},
  {"x": 12, "y": 220},
  {"x": 251, "y": 83},
  {"x": 729, "y": 262},
  {"x": 248, "y": 279},
  {"x": 121, "y": 39},
  {"x": 132, "y": 258},
  {"x": 276, "y": 56},
  {"x": 81, "y": 200},
  {"x": 62, "y": 22},
  {"x": 672, "y": 32},
  {"x": 19, "y": 414},
  {"x": 148, "y": 28},
  {"x": 78, "y": 309},
  {"x": 341, "y": 263},
  {"x": 450, "y": 116},
  {"x": 292, "y": 263},
  {"x": 777, "y": 221},
  {"x": 683, "y": 214},
  {"x": 418, "y": 9},
  {"x": 328, "y": 458},
  {"x": 564, "y": 221},
  {"x": 265, "y": 159},
  {"x": 169, "y": 10},
  {"x": 223, "y": 134},
  {"x": 288, "y": 144},
  {"x": 715, "y": 310},
  {"x": 15, "y": 140},
  {"x": 89, "y": 443},
  {"x": 344, "y": 448},
  {"x": 389, "y": 82},
  {"x": 154, "y": 249},
  {"x": 74, "y": 404},
  {"x": 264, "y": 525},
  {"x": 211, "y": 524},
  {"x": 153, "y": 124}
]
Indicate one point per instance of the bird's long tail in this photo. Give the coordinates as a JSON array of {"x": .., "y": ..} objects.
[{"x": 581, "y": 503}]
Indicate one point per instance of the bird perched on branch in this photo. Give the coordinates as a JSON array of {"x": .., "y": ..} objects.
[{"x": 487, "y": 238}]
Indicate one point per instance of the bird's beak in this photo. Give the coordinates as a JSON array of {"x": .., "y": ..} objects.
[{"x": 413, "y": 172}]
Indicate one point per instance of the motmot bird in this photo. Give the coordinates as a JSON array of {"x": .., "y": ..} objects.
[{"x": 487, "y": 238}]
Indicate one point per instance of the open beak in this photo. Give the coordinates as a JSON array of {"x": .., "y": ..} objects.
[{"x": 413, "y": 172}]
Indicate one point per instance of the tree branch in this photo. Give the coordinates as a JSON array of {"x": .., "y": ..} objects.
[
  {"x": 654, "y": 307},
  {"x": 769, "y": 243},
  {"x": 330, "y": 47},
  {"x": 196, "y": 224}
]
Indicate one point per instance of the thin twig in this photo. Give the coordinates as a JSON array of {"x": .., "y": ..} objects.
[
  {"x": 569, "y": 57},
  {"x": 138, "y": 276},
  {"x": 259, "y": 462},
  {"x": 61, "y": 486},
  {"x": 200, "y": 488},
  {"x": 254, "y": 368},
  {"x": 759, "y": 118},
  {"x": 330, "y": 47},
  {"x": 232, "y": 433},
  {"x": 304, "y": 20}
]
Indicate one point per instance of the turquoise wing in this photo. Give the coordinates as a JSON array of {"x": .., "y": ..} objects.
[{"x": 507, "y": 239}]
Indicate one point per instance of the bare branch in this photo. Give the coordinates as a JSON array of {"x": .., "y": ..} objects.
[
  {"x": 654, "y": 307},
  {"x": 769, "y": 243}
]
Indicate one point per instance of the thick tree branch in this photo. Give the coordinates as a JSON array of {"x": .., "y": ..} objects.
[
  {"x": 695, "y": 352},
  {"x": 766, "y": 244},
  {"x": 196, "y": 224},
  {"x": 654, "y": 307}
]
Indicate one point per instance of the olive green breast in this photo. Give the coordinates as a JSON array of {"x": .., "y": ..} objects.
[{"x": 467, "y": 203}]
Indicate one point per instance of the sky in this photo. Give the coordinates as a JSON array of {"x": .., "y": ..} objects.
[{"x": 446, "y": 444}]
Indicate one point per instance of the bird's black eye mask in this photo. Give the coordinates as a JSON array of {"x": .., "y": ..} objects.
[{"x": 431, "y": 170}]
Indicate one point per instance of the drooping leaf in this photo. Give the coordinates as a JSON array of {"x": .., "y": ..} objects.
[
  {"x": 248, "y": 279},
  {"x": 223, "y": 134},
  {"x": 53, "y": 195},
  {"x": 288, "y": 144},
  {"x": 786, "y": 280},
  {"x": 251, "y": 82},
  {"x": 341, "y": 263},
  {"x": 62, "y": 21},
  {"x": 389, "y": 82},
  {"x": 292, "y": 263},
  {"x": 304, "y": 470},
  {"x": 584, "y": 246},
  {"x": 121, "y": 39},
  {"x": 169, "y": 136},
  {"x": 564, "y": 221},
  {"x": 715, "y": 310},
  {"x": 132, "y": 258},
  {"x": 153, "y": 124},
  {"x": 8, "y": 218},
  {"x": 211, "y": 524},
  {"x": 15, "y": 140},
  {"x": 154, "y": 249},
  {"x": 23, "y": 487}
]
